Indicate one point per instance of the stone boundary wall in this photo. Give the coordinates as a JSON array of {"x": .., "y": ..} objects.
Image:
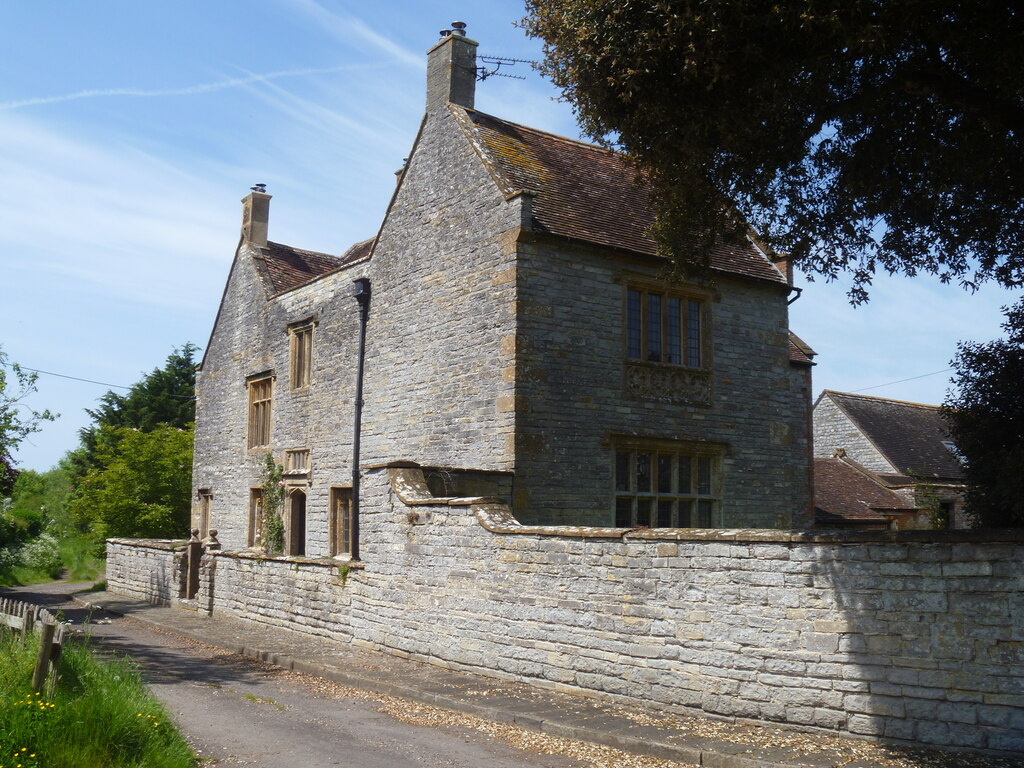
[
  {"x": 149, "y": 569},
  {"x": 905, "y": 636}
]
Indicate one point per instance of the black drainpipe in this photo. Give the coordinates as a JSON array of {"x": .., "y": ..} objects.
[{"x": 362, "y": 295}]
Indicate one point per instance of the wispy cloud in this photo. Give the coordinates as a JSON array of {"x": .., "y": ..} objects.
[
  {"x": 188, "y": 90},
  {"x": 351, "y": 30}
]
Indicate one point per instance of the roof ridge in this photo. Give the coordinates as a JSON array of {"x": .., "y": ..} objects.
[{"x": 883, "y": 399}]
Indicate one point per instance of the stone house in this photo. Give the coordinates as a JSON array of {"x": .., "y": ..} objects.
[
  {"x": 521, "y": 342},
  {"x": 526, "y": 362},
  {"x": 899, "y": 446}
]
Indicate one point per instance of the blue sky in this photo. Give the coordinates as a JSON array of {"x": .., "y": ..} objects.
[{"x": 130, "y": 130}]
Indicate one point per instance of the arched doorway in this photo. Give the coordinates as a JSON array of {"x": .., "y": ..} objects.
[{"x": 296, "y": 523}]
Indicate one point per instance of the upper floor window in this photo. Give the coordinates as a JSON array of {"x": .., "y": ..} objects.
[
  {"x": 666, "y": 484},
  {"x": 664, "y": 328},
  {"x": 260, "y": 394},
  {"x": 301, "y": 344}
]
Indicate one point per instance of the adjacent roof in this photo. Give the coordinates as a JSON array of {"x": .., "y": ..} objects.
[
  {"x": 288, "y": 267},
  {"x": 800, "y": 351},
  {"x": 845, "y": 495},
  {"x": 909, "y": 435},
  {"x": 589, "y": 193}
]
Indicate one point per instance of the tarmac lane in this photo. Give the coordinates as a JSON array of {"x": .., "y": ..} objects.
[{"x": 238, "y": 711}]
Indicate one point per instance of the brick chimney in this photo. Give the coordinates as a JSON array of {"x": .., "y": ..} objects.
[
  {"x": 451, "y": 69},
  {"x": 256, "y": 215}
]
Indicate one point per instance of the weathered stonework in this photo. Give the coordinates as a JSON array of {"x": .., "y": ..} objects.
[
  {"x": 909, "y": 636},
  {"x": 147, "y": 569},
  {"x": 833, "y": 430}
]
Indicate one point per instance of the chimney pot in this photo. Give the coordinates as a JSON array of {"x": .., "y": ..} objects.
[{"x": 451, "y": 69}]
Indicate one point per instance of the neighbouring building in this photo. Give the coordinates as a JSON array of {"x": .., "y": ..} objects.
[
  {"x": 848, "y": 496},
  {"x": 522, "y": 342},
  {"x": 899, "y": 447}
]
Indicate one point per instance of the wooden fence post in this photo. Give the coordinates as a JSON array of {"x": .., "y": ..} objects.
[
  {"x": 62, "y": 636},
  {"x": 43, "y": 659}
]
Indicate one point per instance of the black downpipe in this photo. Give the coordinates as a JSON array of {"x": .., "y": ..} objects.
[{"x": 362, "y": 295}]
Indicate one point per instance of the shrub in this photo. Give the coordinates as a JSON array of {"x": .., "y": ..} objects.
[{"x": 43, "y": 555}]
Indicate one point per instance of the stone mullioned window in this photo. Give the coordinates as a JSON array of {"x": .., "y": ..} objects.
[
  {"x": 667, "y": 346},
  {"x": 667, "y": 484},
  {"x": 301, "y": 355},
  {"x": 664, "y": 328}
]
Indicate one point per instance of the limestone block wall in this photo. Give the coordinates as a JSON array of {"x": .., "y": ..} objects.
[
  {"x": 148, "y": 569},
  {"x": 903, "y": 635}
]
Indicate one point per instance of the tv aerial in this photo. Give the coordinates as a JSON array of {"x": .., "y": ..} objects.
[{"x": 493, "y": 64}]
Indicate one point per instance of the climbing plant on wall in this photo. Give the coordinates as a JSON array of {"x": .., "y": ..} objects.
[{"x": 272, "y": 524}]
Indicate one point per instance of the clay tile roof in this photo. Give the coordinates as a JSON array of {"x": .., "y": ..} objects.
[
  {"x": 843, "y": 495},
  {"x": 289, "y": 267},
  {"x": 589, "y": 193},
  {"x": 799, "y": 351},
  {"x": 909, "y": 435}
]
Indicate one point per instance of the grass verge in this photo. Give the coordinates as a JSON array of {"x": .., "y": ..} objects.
[{"x": 101, "y": 715}]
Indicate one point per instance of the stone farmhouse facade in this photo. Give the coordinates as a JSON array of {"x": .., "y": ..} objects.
[
  {"x": 901, "y": 448},
  {"x": 573, "y": 473},
  {"x": 521, "y": 342}
]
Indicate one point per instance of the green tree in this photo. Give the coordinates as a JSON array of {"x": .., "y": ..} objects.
[
  {"x": 986, "y": 420},
  {"x": 43, "y": 494},
  {"x": 15, "y": 424},
  {"x": 853, "y": 136},
  {"x": 143, "y": 486}
]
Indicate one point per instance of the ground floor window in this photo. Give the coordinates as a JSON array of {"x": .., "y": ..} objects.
[
  {"x": 340, "y": 522},
  {"x": 295, "y": 529},
  {"x": 254, "y": 534},
  {"x": 667, "y": 484}
]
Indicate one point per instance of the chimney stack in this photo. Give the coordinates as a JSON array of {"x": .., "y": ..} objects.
[
  {"x": 451, "y": 69},
  {"x": 256, "y": 215}
]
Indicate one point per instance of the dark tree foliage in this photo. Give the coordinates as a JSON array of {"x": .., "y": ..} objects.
[
  {"x": 986, "y": 421},
  {"x": 8, "y": 474},
  {"x": 855, "y": 135},
  {"x": 164, "y": 396}
]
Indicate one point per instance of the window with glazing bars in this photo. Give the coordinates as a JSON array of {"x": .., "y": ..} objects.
[
  {"x": 301, "y": 355},
  {"x": 665, "y": 489},
  {"x": 664, "y": 328},
  {"x": 260, "y": 392},
  {"x": 341, "y": 521}
]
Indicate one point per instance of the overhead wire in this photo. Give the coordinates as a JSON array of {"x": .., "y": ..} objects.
[
  {"x": 890, "y": 383},
  {"x": 78, "y": 378}
]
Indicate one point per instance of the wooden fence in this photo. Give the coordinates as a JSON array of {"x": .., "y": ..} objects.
[{"x": 26, "y": 618}]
